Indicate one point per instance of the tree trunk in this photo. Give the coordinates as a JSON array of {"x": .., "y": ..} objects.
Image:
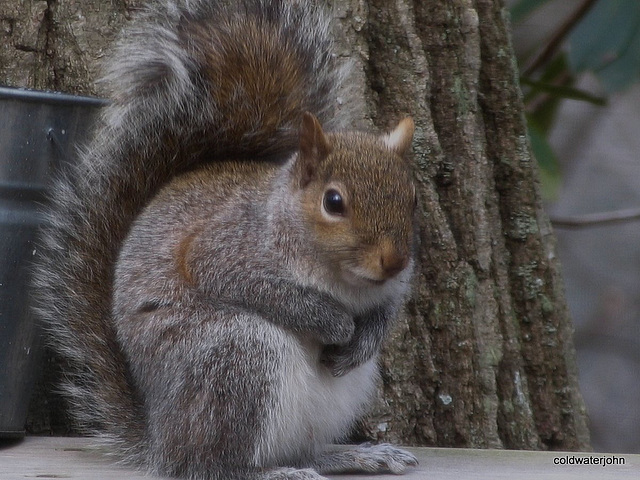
[{"x": 483, "y": 355}]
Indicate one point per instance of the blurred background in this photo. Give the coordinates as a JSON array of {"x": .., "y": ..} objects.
[{"x": 580, "y": 75}]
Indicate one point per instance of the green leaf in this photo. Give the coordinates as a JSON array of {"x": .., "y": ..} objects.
[
  {"x": 548, "y": 162},
  {"x": 555, "y": 72},
  {"x": 557, "y": 67},
  {"x": 607, "y": 42},
  {"x": 520, "y": 10},
  {"x": 542, "y": 150}
]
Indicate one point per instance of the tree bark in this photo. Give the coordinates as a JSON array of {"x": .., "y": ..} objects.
[{"x": 483, "y": 355}]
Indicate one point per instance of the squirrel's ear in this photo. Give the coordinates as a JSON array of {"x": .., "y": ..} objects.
[
  {"x": 314, "y": 148},
  {"x": 399, "y": 140}
]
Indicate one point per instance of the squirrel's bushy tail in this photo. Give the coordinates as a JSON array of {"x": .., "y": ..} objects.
[{"x": 191, "y": 81}]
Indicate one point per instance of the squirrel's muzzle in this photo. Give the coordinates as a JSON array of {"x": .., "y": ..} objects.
[
  {"x": 386, "y": 260},
  {"x": 392, "y": 263}
]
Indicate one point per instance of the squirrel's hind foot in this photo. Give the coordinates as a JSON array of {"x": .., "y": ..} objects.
[{"x": 367, "y": 458}]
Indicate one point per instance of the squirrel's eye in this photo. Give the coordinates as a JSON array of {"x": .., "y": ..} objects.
[{"x": 333, "y": 202}]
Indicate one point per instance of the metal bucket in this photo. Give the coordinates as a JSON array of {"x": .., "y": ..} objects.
[{"x": 39, "y": 132}]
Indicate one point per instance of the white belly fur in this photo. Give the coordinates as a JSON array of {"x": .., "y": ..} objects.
[{"x": 310, "y": 407}]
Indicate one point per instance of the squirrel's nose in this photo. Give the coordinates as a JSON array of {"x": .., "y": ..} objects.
[{"x": 392, "y": 261}]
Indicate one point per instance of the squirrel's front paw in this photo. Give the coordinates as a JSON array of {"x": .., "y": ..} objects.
[
  {"x": 338, "y": 328},
  {"x": 340, "y": 360}
]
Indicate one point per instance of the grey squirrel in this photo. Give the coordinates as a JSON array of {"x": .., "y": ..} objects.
[{"x": 222, "y": 265}]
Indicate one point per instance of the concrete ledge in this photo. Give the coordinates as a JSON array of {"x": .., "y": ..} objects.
[{"x": 61, "y": 457}]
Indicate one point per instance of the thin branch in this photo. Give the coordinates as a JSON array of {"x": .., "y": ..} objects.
[
  {"x": 556, "y": 40},
  {"x": 594, "y": 219}
]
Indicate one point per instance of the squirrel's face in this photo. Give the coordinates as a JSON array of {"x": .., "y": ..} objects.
[{"x": 359, "y": 201}]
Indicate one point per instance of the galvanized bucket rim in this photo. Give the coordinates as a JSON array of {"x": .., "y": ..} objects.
[{"x": 46, "y": 96}]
